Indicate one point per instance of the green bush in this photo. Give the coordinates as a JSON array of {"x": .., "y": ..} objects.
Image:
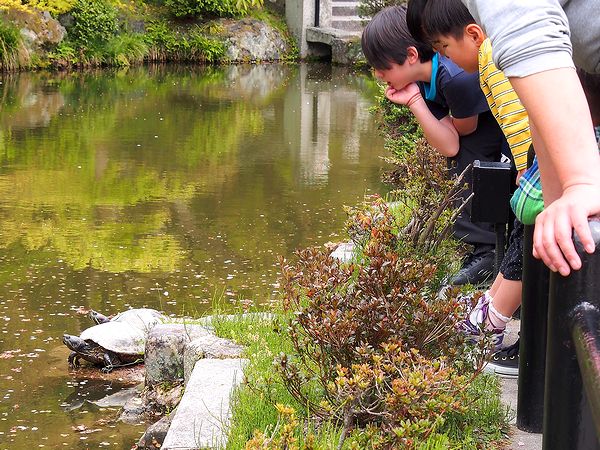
[
  {"x": 218, "y": 8},
  {"x": 167, "y": 45},
  {"x": 203, "y": 48},
  {"x": 95, "y": 23},
  {"x": 53, "y": 6},
  {"x": 368, "y": 8},
  {"x": 10, "y": 42},
  {"x": 125, "y": 49},
  {"x": 372, "y": 338}
]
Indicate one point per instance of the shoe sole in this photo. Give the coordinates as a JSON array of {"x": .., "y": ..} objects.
[{"x": 502, "y": 372}]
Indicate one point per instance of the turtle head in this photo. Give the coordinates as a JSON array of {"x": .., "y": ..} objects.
[
  {"x": 74, "y": 343},
  {"x": 98, "y": 318}
]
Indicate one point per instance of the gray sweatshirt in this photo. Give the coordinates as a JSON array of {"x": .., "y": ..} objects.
[{"x": 530, "y": 36}]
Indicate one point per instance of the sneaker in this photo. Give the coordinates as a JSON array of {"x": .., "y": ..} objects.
[
  {"x": 478, "y": 268},
  {"x": 473, "y": 325},
  {"x": 505, "y": 362}
]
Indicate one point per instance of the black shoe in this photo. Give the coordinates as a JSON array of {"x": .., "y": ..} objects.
[
  {"x": 478, "y": 268},
  {"x": 505, "y": 362}
]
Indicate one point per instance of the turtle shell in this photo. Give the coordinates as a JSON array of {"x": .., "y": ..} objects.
[
  {"x": 141, "y": 318},
  {"x": 117, "y": 337}
]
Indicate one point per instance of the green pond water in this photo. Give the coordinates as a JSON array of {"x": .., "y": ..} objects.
[{"x": 165, "y": 187}]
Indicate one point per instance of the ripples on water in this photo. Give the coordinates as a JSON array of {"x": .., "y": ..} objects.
[{"x": 160, "y": 187}]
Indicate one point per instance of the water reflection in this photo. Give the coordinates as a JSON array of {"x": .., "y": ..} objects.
[{"x": 158, "y": 187}]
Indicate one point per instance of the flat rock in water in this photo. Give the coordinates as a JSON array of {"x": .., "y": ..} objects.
[
  {"x": 202, "y": 416},
  {"x": 125, "y": 375}
]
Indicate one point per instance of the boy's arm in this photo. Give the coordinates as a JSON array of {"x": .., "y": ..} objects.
[
  {"x": 440, "y": 134},
  {"x": 465, "y": 125}
]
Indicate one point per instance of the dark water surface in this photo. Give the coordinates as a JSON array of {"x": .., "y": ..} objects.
[{"x": 159, "y": 187}]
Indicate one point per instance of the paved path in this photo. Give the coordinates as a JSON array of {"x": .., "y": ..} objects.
[{"x": 520, "y": 440}]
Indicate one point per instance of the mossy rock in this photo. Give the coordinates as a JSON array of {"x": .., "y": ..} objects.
[{"x": 37, "y": 28}]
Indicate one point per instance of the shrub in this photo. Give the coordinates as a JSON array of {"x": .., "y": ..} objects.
[
  {"x": 125, "y": 49},
  {"x": 203, "y": 48},
  {"x": 53, "y": 6},
  {"x": 218, "y": 8},
  {"x": 368, "y": 8},
  {"x": 392, "y": 344},
  {"x": 11, "y": 47},
  {"x": 166, "y": 44},
  {"x": 95, "y": 22}
]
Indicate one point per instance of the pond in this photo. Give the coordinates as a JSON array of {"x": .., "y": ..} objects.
[{"x": 166, "y": 187}]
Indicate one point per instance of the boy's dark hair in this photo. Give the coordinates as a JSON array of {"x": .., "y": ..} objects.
[
  {"x": 445, "y": 18},
  {"x": 386, "y": 38},
  {"x": 414, "y": 18}
]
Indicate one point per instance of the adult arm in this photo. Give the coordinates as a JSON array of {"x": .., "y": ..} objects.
[
  {"x": 441, "y": 133},
  {"x": 569, "y": 164},
  {"x": 532, "y": 46}
]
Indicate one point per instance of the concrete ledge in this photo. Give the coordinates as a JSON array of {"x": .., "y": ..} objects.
[
  {"x": 328, "y": 35},
  {"x": 202, "y": 417}
]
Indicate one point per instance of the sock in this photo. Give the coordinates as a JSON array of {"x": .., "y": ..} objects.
[{"x": 495, "y": 320}]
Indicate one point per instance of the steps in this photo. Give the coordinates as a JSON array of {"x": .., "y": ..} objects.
[{"x": 344, "y": 15}]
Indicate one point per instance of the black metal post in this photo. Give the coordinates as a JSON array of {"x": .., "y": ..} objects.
[
  {"x": 532, "y": 345},
  {"x": 586, "y": 337},
  {"x": 568, "y": 421},
  {"x": 491, "y": 189},
  {"x": 317, "y": 12}
]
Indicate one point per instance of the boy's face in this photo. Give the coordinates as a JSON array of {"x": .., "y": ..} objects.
[
  {"x": 397, "y": 76},
  {"x": 463, "y": 51}
]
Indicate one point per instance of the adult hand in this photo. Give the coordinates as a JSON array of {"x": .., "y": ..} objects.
[
  {"x": 402, "y": 96},
  {"x": 552, "y": 237}
]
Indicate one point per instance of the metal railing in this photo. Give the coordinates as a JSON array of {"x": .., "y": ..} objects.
[
  {"x": 570, "y": 416},
  {"x": 559, "y": 349}
]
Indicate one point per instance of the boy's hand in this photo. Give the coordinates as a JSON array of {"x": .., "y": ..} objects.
[{"x": 402, "y": 96}]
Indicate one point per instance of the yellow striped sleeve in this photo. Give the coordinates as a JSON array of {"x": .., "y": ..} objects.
[{"x": 505, "y": 106}]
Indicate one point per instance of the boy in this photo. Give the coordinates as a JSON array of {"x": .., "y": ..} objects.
[
  {"x": 452, "y": 29},
  {"x": 451, "y": 110}
]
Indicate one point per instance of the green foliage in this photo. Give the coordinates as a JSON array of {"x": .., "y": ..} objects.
[
  {"x": 203, "y": 48},
  {"x": 218, "y": 8},
  {"x": 197, "y": 45},
  {"x": 64, "y": 54},
  {"x": 368, "y": 8},
  {"x": 392, "y": 342},
  {"x": 95, "y": 22},
  {"x": 10, "y": 43},
  {"x": 53, "y": 6},
  {"x": 125, "y": 49}
]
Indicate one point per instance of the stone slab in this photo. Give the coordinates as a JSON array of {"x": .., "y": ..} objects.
[{"x": 202, "y": 417}]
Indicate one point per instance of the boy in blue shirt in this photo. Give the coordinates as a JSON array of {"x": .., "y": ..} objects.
[{"x": 451, "y": 109}]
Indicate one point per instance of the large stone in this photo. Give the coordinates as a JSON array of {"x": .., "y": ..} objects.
[
  {"x": 155, "y": 434},
  {"x": 209, "y": 346},
  {"x": 203, "y": 414},
  {"x": 251, "y": 40},
  {"x": 38, "y": 28},
  {"x": 164, "y": 351}
]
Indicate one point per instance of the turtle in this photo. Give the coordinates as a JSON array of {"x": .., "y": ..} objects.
[
  {"x": 141, "y": 318},
  {"x": 110, "y": 344}
]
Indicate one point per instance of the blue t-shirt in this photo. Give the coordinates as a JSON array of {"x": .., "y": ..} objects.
[{"x": 458, "y": 93}]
